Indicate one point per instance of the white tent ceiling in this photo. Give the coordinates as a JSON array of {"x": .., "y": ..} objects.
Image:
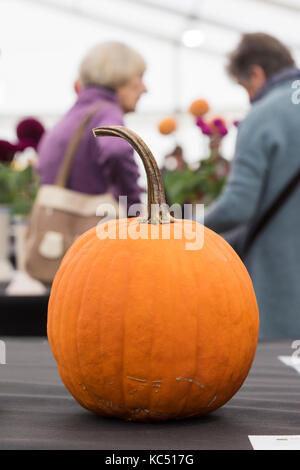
[{"x": 42, "y": 42}]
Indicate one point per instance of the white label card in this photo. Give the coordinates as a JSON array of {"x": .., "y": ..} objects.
[
  {"x": 275, "y": 442},
  {"x": 291, "y": 361}
]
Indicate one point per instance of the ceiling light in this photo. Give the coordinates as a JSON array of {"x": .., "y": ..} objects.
[{"x": 192, "y": 38}]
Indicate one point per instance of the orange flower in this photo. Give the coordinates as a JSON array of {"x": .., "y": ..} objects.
[
  {"x": 167, "y": 126},
  {"x": 199, "y": 108}
]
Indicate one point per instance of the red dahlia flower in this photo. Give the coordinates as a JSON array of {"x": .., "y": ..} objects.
[{"x": 7, "y": 151}]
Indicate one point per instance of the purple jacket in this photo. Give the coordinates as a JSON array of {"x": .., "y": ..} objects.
[{"x": 101, "y": 165}]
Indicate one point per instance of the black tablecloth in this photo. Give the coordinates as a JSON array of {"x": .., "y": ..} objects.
[
  {"x": 23, "y": 315},
  {"x": 36, "y": 411}
]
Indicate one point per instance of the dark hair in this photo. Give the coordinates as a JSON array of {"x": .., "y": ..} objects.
[{"x": 258, "y": 49}]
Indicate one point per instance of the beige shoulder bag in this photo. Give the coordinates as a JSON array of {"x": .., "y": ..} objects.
[{"x": 60, "y": 215}]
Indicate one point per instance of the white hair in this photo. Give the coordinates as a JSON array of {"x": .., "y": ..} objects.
[{"x": 110, "y": 64}]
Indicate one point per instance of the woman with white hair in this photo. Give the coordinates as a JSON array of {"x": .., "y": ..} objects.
[{"x": 111, "y": 83}]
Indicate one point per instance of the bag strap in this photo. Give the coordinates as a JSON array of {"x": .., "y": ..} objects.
[
  {"x": 271, "y": 211},
  {"x": 67, "y": 161}
]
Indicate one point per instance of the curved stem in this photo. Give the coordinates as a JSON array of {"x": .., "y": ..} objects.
[{"x": 158, "y": 211}]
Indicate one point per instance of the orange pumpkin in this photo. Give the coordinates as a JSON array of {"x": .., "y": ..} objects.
[
  {"x": 199, "y": 108},
  {"x": 146, "y": 329},
  {"x": 167, "y": 126}
]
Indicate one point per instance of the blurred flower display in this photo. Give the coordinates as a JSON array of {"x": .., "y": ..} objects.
[
  {"x": 18, "y": 179},
  {"x": 29, "y": 132},
  {"x": 7, "y": 151},
  {"x": 203, "y": 182},
  {"x": 18, "y": 187},
  {"x": 167, "y": 125},
  {"x": 26, "y": 186},
  {"x": 199, "y": 108}
]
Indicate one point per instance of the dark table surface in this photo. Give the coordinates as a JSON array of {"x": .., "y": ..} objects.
[
  {"x": 23, "y": 315},
  {"x": 37, "y": 412}
]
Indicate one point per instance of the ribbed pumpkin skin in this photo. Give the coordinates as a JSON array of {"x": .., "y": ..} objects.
[{"x": 147, "y": 330}]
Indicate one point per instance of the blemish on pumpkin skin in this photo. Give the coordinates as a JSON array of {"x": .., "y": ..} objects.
[
  {"x": 156, "y": 383},
  {"x": 184, "y": 379},
  {"x": 138, "y": 380},
  {"x": 211, "y": 401},
  {"x": 109, "y": 404},
  {"x": 138, "y": 410},
  {"x": 149, "y": 413},
  {"x": 193, "y": 415}
]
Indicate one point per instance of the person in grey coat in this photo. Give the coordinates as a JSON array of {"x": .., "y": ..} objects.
[{"x": 267, "y": 156}]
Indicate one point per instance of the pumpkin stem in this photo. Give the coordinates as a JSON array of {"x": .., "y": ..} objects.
[{"x": 158, "y": 211}]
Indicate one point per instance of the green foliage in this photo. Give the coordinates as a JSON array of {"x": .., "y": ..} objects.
[
  {"x": 7, "y": 184},
  {"x": 202, "y": 185},
  {"x": 18, "y": 188}
]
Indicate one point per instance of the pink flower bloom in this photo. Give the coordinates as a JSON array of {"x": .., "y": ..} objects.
[
  {"x": 206, "y": 130},
  {"x": 199, "y": 121},
  {"x": 223, "y": 131},
  {"x": 218, "y": 122},
  {"x": 219, "y": 127},
  {"x": 203, "y": 126}
]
